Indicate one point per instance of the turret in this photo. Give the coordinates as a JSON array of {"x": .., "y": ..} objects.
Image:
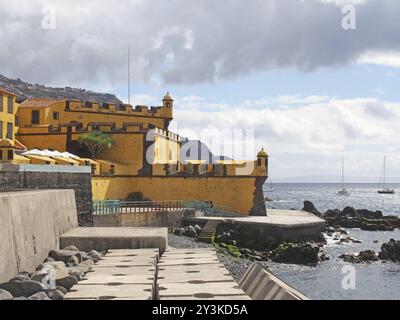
[
  {"x": 262, "y": 162},
  {"x": 168, "y": 104}
]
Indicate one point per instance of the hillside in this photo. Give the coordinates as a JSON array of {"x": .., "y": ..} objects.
[{"x": 25, "y": 90}]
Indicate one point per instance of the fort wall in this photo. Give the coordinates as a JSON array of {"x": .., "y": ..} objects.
[{"x": 33, "y": 177}]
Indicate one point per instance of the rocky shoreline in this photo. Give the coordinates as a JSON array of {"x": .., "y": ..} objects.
[{"x": 54, "y": 278}]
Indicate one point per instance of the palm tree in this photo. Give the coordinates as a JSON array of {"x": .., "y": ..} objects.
[{"x": 95, "y": 142}]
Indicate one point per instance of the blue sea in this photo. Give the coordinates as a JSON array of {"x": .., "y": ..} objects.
[{"x": 374, "y": 281}]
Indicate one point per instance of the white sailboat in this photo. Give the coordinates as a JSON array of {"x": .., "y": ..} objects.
[
  {"x": 385, "y": 190},
  {"x": 344, "y": 192}
]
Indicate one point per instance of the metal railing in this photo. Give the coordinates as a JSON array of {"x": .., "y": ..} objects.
[{"x": 107, "y": 207}]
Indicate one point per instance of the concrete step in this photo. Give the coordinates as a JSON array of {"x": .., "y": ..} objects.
[{"x": 208, "y": 231}]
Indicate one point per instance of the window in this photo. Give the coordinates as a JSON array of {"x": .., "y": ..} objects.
[
  {"x": 10, "y": 105},
  {"x": 1, "y": 155},
  {"x": 35, "y": 117},
  {"x": 56, "y": 116},
  {"x": 10, "y": 154},
  {"x": 9, "y": 131},
  {"x": 1, "y": 102},
  {"x": 16, "y": 121},
  {"x": 1, "y": 129}
]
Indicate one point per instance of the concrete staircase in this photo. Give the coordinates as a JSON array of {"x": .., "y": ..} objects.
[{"x": 208, "y": 231}]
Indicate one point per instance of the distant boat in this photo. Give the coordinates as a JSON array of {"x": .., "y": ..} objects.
[
  {"x": 344, "y": 192},
  {"x": 270, "y": 186},
  {"x": 385, "y": 190}
]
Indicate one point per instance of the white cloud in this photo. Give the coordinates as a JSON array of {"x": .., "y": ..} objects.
[
  {"x": 309, "y": 138},
  {"x": 389, "y": 58}
]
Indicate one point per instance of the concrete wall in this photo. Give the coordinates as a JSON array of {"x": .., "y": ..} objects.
[
  {"x": 170, "y": 219},
  {"x": 33, "y": 177},
  {"x": 239, "y": 194},
  {"x": 31, "y": 223}
]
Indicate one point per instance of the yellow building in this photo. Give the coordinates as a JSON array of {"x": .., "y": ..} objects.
[
  {"x": 145, "y": 156},
  {"x": 8, "y": 126}
]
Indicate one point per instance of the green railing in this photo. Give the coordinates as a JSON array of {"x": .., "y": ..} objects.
[{"x": 106, "y": 207}]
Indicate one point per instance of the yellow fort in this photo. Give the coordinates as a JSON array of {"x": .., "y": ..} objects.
[{"x": 144, "y": 158}]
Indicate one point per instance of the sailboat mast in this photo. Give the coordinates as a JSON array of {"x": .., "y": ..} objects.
[
  {"x": 343, "y": 173},
  {"x": 384, "y": 172}
]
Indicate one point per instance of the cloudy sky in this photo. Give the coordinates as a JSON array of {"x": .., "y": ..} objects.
[{"x": 312, "y": 91}]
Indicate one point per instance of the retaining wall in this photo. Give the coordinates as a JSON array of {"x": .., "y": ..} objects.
[{"x": 31, "y": 223}]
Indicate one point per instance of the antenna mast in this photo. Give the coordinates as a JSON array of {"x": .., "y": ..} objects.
[{"x": 129, "y": 75}]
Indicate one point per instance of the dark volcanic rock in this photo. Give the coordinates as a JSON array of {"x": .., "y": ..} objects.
[
  {"x": 299, "y": 253},
  {"x": 367, "y": 256},
  {"x": 309, "y": 207},
  {"x": 39, "y": 296},
  {"x": 390, "y": 251},
  {"x": 22, "y": 288}
]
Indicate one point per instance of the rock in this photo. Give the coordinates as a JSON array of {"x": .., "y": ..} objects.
[
  {"x": 85, "y": 265},
  {"x": 367, "y": 214},
  {"x": 49, "y": 259},
  {"x": 309, "y": 207},
  {"x": 5, "y": 295},
  {"x": 67, "y": 256},
  {"x": 323, "y": 257},
  {"x": 62, "y": 290},
  {"x": 198, "y": 228},
  {"x": 66, "y": 281},
  {"x": 375, "y": 241},
  {"x": 39, "y": 296},
  {"x": 21, "y": 277},
  {"x": 390, "y": 251},
  {"x": 84, "y": 256},
  {"x": 22, "y": 288},
  {"x": 349, "y": 212},
  {"x": 76, "y": 272},
  {"x": 55, "y": 294},
  {"x": 96, "y": 256},
  {"x": 190, "y": 232},
  {"x": 72, "y": 248},
  {"x": 301, "y": 253},
  {"x": 367, "y": 256}
]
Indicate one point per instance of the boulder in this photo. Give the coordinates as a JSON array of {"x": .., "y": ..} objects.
[
  {"x": 85, "y": 265},
  {"x": 23, "y": 288},
  {"x": 367, "y": 214},
  {"x": 39, "y": 296},
  {"x": 72, "y": 248},
  {"x": 20, "y": 278},
  {"x": 309, "y": 207},
  {"x": 190, "y": 232},
  {"x": 5, "y": 295},
  {"x": 62, "y": 290},
  {"x": 300, "y": 253},
  {"x": 66, "y": 281},
  {"x": 96, "y": 256},
  {"x": 390, "y": 251},
  {"x": 55, "y": 294},
  {"x": 76, "y": 272},
  {"x": 367, "y": 256},
  {"x": 349, "y": 212},
  {"x": 67, "y": 256}
]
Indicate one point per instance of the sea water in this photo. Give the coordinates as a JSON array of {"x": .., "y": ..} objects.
[{"x": 372, "y": 281}]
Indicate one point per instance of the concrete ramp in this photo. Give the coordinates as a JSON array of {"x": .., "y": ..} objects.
[
  {"x": 102, "y": 239},
  {"x": 195, "y": 275},
  {"x": 260, "y": 284}
]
